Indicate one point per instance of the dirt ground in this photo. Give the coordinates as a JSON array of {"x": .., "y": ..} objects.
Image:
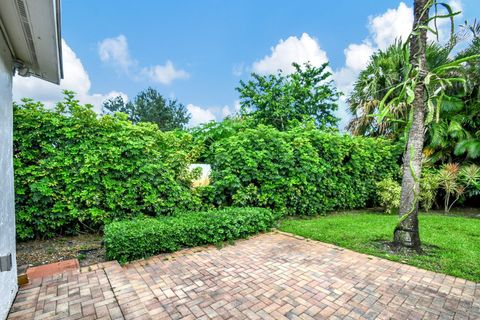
[{"x": 86, "y": 248}]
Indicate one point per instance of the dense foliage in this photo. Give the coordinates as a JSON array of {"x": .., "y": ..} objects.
[
  {"x": 453, "y": 116},
  {"x": 74, "y": 170},
  {"x": 284, "y": 100},
  {"x": 150, "y": 106},
  {"x": 143, "y": 237},
  {"x": 207, "y": 134},
  {"x": 388, "y": 193},
  {"x": 303, "y": 171},
  {"x": 440, "y": 187}
]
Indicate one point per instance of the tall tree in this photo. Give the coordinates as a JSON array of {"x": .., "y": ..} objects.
[
  {"x": 282, "y": 99},
  {"x": 150, "y": 106},
  {"x": 387, "y": 69},
  {"x": 416, "y": 99},
  {"x": 406, "y": 233},
  {"x": 453, "y": 118}
]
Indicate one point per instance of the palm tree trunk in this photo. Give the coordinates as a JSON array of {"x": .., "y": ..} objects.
[{"x": 406, "y": 233}]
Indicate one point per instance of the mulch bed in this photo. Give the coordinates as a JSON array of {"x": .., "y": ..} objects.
[{"x": 87, "y": 248}]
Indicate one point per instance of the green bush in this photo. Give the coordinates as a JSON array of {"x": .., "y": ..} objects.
[
  {"x": 388, "y": 193},
  {"x": 302, "y": 171},
  {"x": 429, "y": 184},
  {"x": 75, "y": 170},
  {"x": 143, "y": 237}
]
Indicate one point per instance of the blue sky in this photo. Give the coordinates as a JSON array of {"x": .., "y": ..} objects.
[{"x": 197, "y": 51}]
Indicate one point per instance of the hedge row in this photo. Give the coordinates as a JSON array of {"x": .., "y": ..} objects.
[
  {"x": 298, "y": 172},
  {"x": 143, "y": 237},
  {"x": 75, "y": 170}
]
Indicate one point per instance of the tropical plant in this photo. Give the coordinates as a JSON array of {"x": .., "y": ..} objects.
[
  {"x": 470, "y": 177},
  {"x": 413, "y": 93},
  {"x": 385, "y": 70},
  {"x": 424, "y": 91},
  {"x": 449, "y": 183},
  {"x": 458, "y": 181},
  {"x": 452, "y": 136},
  {"x": 284, "y": 100}
]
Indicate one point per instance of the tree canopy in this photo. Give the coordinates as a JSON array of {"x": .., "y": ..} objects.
[
  {"x": 282, "y": 100},
  {"x": 452, "y": 119},
  {"x": 150, "y": 106}
]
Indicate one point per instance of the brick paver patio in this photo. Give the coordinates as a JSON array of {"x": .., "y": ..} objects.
[{"x": 271, "y": 276}]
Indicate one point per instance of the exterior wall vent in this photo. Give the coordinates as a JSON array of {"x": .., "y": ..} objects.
[
  {"x": 22, "y": 10},
  {"x": 6, "y": 263}
]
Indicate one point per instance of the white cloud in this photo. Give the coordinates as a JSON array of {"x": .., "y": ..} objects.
[
  {"x": 293, "y": 49},
  {"x": 75, "y": 78},
  {"x": 384, "y": 30},
  {"x": 397, "y": 24},
  {"x": 199, "y": 115},
  {"x": 236, "y": 105},
  {"x": 393, "y": 24},
  {"x": 357, "y": 56},
  {"x": 115, "y": 51},
  {"x": 164, "y": 74},
  {"x": 443, "y": 24},
  {"x": 226, "y": 111},
  {"x": 344, "y": 79}
]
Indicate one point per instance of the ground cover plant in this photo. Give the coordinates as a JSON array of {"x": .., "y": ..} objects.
[
  {"x": 451, "y": 244},
  {"x": 143, "y": 237}
]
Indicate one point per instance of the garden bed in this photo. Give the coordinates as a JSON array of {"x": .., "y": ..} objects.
[{"x": 87, "y": 248}]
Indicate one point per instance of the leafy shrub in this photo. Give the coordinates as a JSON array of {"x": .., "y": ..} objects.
[
  {"x": 429, "y": 184},
  {"x": 207, "y": 134},
  {"x": 284, "y": 100},
  {"x": 302, "y": 171},
  {"x": 470, "y": 177},
  {"x": 388, "y": 193},
  {"x": 143, "y": 237},
  {"x": 75, "y": 170},
  {"x": 457, "y": 182}
]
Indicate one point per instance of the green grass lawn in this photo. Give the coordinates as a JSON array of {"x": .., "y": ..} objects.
[{"x": 451, "y": 244}]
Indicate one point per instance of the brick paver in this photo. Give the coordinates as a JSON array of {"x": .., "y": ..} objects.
[{"x": 271, "y": 276}]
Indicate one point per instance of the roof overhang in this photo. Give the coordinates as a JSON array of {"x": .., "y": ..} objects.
[{"x": 32, "y": 31}]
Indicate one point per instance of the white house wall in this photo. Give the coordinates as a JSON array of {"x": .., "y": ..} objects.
[{"x": 8, "y": 280}]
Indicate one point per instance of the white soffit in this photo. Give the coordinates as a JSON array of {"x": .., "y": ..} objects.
[{"x": 32, "y": 29}]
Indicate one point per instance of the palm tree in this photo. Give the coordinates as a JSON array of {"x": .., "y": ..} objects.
[
  {"x": 406, "y": 233},
  {"x": 455, "y": 135},
  {"x": 386, "y": 70},
  {"x": 424, "y": 92}
]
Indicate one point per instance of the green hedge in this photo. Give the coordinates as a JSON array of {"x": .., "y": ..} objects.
[
  {"x": 298, "y": 172},
  {"x": 75, "y": 170},
  {"x": 139, "y": 238}
]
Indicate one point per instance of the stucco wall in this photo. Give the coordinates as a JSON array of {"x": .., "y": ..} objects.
[{"x": 8, "y": 280}]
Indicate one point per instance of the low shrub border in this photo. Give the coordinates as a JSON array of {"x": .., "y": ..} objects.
[{"x": 143, "y": 237}]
